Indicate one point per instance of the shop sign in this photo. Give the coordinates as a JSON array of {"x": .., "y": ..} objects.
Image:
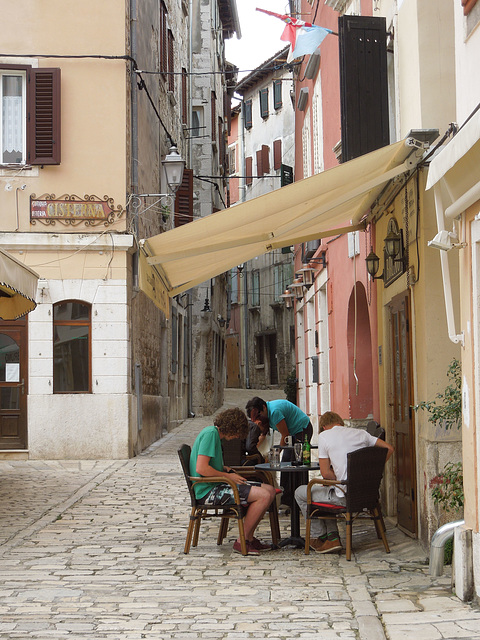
[{"x": 72, "y": 210}]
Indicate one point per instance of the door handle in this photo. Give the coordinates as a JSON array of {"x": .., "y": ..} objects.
[{"x": 22, "y": 384}]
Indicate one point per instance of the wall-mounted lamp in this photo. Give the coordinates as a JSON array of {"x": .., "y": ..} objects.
[
  {"x": 297, "y": 288},
  {"x": 288, "y": 297},
  {"x": 321, "y": 259},
  {"x": 206, "y": 304},
  {"x": 307, "y": 274},
  {"x": 173, "y": 166},
  {"x": 393, "y": 251},
  {"x": 221, "y": 321},
  {"x": 240, "y": 269}
]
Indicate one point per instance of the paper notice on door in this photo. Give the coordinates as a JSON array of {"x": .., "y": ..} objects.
[{"x": 12, "y": 372}]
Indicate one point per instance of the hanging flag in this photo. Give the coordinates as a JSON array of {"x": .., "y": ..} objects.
[{"x": 304, "y": 37}]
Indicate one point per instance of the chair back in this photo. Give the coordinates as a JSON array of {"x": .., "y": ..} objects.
[
  {"x": 233, "y": 452},
  {"x": 364, "y": 472},
  {"x": 184, "y": 455}
]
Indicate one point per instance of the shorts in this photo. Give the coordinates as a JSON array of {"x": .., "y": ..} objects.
[{"x": 222, "y": 494}]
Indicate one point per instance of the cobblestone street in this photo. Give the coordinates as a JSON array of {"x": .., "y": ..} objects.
[{"x": 94, "y": 549}]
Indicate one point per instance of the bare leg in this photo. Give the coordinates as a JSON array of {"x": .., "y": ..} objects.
[{"x": 259, "y": 498}]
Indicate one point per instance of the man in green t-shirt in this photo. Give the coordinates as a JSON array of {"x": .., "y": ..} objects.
[{"x": 206, "y": 460}]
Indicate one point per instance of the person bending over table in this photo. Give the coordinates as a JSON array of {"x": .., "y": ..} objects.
[
  {"x": 335, "y": 442},
  {"x": 206, "y": 460},
  {"x": 286, "y": 418}
]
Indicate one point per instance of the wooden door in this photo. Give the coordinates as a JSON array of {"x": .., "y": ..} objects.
[
  {"x": 13, "y": 385},
  {"x": 403, "y": 422},
  {"x": 272, "y": 358},
  {"x": 232, "y": 348}
]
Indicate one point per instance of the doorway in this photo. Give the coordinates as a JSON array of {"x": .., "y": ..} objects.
[
  {"x": 13, "y": 385},
  {"x": 403, "y": 422}
]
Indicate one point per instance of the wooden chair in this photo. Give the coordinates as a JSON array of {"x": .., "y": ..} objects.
[
  {"x": 201, "y": 512},
  {"x": 364, "y": 472}
]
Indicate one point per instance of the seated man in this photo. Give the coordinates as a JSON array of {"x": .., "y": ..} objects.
[
  {"x": 206, "y": 460},
  {"x": 335, "y": 442}
]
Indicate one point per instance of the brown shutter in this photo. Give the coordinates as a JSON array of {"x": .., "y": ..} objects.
[
  {"x": 171, "y": 62},
  {"x": 363, "y": 85},
  {"x": 249, "y": 170},
  {"x": 184, "y": 97},
  {"x": 163, "y": 38},
  {"x": 184, "y": 200},
  {"x": 277, "y": 154},
  {"x": 265, "y": 159},
  {"x": 259, "y": 163},
  {"x": 213, "y": 116},
  {"x": 43, "y": 125},
  {"x": 468, "y": 6}
]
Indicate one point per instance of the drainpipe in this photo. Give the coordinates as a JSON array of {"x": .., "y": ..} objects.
[{"x": 440, "y": 537}]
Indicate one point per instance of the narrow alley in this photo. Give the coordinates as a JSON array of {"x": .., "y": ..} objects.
[{"x": 94, "y": 549}]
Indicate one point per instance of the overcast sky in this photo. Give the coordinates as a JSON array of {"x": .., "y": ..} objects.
[{"x": 260, "y": 34}]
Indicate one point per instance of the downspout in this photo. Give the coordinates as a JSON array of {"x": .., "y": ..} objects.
[
  {"x": 242, "y": 189},
  {"x": 439, "y": 539},
  {"x": 447, "y": 286},
  {"x": 191, "y": 413}
]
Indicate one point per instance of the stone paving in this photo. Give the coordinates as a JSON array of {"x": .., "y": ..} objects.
[{"x": 94, "y": 550}]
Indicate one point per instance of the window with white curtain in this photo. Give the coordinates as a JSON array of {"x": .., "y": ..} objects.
[{"x": 12, "y": 87}]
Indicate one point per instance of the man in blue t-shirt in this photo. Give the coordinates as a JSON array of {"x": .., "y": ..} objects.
[
  {"x": 286, "y": 418},
  {"x": 206, "y": 460}
]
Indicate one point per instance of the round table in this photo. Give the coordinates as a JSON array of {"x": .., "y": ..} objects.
[{"x": 299, "y": 476}]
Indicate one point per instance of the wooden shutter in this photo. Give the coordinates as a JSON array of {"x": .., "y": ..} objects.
[
  {"x": 265, "y": 159},
  {"x": 363, "y": 85},
  {"x": 277, "y": 154},
  {"x": 184, "y": 200},
  {"x": 213, "y": 116},
  {"x": 277, "y": 94},
  {"x": 468, "y": 6},
  {"x": 171, "y": 62},
  {"x": 43, "y": 125},
  {"x": 260, "y": 163},
  {"x": 249, "y": 170},
  {"x": 248, "y": 114},
  {"x": 184, "y": 97},
  {"x": 163, "y": 38},
  {"x": 264, "y": 103}
]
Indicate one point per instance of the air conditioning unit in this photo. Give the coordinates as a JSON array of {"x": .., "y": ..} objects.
[
  {"x": 311, "y": 247},
  {"x": 302, "y": 99}
]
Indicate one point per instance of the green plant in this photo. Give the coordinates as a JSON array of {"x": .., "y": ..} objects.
[
  {"x": 447, "y": 408},
  {"x": 291, "y": 387},
  {"x": 447, "y": 487}
]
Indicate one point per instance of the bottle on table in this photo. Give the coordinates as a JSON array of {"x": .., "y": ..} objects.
[{"x": 306, "y": 452}]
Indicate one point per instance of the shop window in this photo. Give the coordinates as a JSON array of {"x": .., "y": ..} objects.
[
  {"x": 72, "y": 347},
  {"x": 30, "y": 115}
]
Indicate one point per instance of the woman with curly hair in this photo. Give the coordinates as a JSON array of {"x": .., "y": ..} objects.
[{"x": 206, "y": 460}]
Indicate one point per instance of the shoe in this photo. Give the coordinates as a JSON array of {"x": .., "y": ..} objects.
[
  {"x": 251, "y": 551},
  {"x": 329, "y": 546},
  {"x": 316, "y": 544},
  {"x": 259, "y": 545}
]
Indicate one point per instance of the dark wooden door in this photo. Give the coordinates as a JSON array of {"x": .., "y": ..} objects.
[
  {"x": 403, "y": 422},
  {"x": 272, "y": 358},
  {"x": 13, "y": 385},
  {"x": 233, "y": 361}
]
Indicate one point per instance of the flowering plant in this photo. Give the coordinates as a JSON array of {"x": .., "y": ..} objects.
[{"x": 447, "y": 487}]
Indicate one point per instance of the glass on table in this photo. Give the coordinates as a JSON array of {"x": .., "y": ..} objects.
[
  {"x": 298, "y": 448},
  {"x": 275, "y": 456}
]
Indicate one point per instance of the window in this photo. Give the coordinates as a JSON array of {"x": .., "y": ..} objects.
[
  {"x": 259, "y": 155},
  {"x": 184, "y": 199},
  {"x": 264, "y": 103},
  {"x": 277, "y": 154},
  {"x": 255, "y": 301},
  {"x": 277, "y": 94},
  {"x": 247, "y": 105},
  {"x": 71, "y": 347},
  {"x": 232, "y": 159},
  {"x": 197, "y": 122},
  {"x": 266, "y": 158},
  {"x": 234, "y": 285},
  {"x": 30, "y": 115},
  {"x": 283, "y": 276}
]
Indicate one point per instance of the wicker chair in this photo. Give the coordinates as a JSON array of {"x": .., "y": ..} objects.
[
  {"x": 364, "y": 472},
  {"x": 201, "y": 512}
]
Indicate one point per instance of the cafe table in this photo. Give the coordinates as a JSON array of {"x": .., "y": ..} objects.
[{"x": 298, "y": 475}]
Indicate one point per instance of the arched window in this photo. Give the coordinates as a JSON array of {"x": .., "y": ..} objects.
[{"x": 72, "y": 347}]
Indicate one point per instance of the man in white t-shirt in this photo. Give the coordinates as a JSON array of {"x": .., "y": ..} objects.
[{"x": 335, "y": 442}]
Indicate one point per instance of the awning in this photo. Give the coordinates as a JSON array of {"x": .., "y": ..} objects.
[
  {"x": 18, "y": 287},
  {"x": 329, "y": 203}
]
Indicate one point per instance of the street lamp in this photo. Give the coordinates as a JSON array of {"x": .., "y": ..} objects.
[{"x": 174, "y": 165}]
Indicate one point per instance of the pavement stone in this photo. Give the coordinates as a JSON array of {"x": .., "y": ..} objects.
[{"x": 94, "y": 549}]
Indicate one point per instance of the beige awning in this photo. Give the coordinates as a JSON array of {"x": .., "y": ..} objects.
[
  {"x": 18, "y": 288},
  {"x": 329, "y": 203}
]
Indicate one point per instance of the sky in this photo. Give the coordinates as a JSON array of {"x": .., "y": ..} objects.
[{"x": 260, "y": 34}]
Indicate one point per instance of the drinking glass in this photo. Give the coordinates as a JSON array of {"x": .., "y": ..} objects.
[
  {"x": 298, "y": 451},
  {"x": 275, "y": 457}
]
